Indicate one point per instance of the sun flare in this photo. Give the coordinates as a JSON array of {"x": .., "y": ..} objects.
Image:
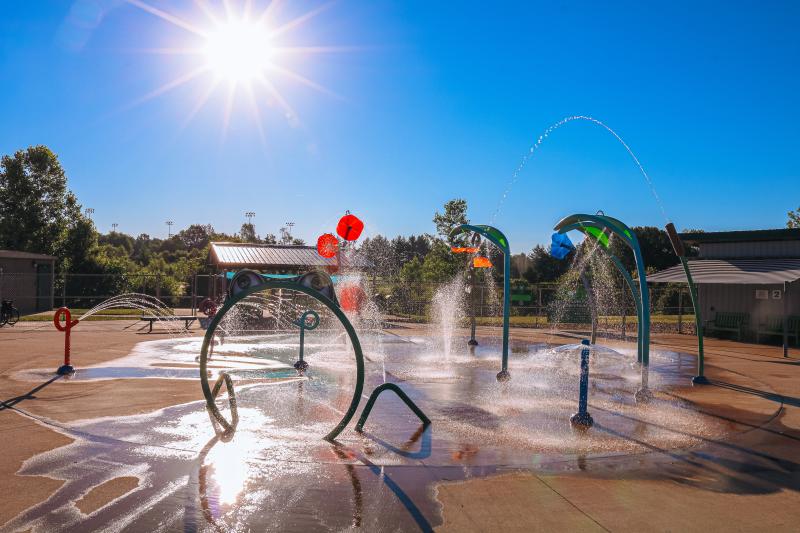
[
  {"x": 249, "y": 53},
  {"x": 238, "y": 50}
]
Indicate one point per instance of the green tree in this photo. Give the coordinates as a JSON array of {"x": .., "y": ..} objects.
[
  {"x": 378, "y": 250},
  {"x": 543, "y": 267},
  {"x": 412, "y": 271},
  {"x": 441, "y": 264},
  {"x": 248, "y": 233},
  {"x": 455, "y": 214},
  {"x": 118, "y": 239},
  {"x": 196, "y": 236},
  {"x": 656, "y": 249},
  {"x": 794, "y": 219},
  {"x": 35, "y": 203}
]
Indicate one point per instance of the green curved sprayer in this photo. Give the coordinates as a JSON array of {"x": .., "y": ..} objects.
[
  {"x": 293, "y": 286},
  {"x": 599, "y": 228},
  {"x": 496, "y": 237}
]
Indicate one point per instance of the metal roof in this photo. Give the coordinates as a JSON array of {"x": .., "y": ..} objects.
[
  {"x": 784, "y": 234},
  {"x": 230, "y": 254},
  {"x": 733, "y": 272},
  {"x": 12, "y": 254}
]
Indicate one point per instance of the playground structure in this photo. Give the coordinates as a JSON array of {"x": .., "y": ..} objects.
[
  {"x": 308, "y": 321},
  {"x": 66, "y": 368},
  {"x": 599, "y": 228},
  {"x": 318, "y": 286},
  {"x": 582, "y": 419},
  {"x": 496, "y": 237}
]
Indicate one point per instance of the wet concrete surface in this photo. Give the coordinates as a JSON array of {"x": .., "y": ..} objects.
[{"x": 276, "y": 473}]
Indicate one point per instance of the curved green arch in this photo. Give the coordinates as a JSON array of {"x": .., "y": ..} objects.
[
  {"x": 498, "y": 238},
  {"x": 266, "y": 285},
  {"x": 597, "y": 227},
  {"x": 628, "y": 281}
]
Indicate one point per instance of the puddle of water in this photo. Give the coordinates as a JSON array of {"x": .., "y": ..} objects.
[{"x": 277, "y": 473}]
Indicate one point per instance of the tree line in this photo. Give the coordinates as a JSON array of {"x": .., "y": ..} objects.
[{"x": 38, "y": 213}]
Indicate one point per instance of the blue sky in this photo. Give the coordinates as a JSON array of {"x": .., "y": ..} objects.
[{"x": 425, "y": 101}]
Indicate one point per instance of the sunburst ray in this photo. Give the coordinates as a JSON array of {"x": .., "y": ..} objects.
[{"x": 239, "y": 43}]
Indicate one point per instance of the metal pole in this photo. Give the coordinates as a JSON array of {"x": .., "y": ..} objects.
[
  {"x": 785, "y": 320},
  {"x": 677, "y": 245},
  {"x": 624, "y": 314},
  {"x": 582, "y": 419},
  {"x": 52, "y": 284},
  {"x": 472, "y": 276},
  {"x": 680, "y": 310},
  {"x": 194, "y": 294},
  {"x": 592, "y": 305},
  {"x": 700, "y": 378},
  {"x": 503, "y": 375}
]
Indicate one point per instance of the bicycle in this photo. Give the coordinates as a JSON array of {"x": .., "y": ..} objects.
[{"x": 8, "y": 313}]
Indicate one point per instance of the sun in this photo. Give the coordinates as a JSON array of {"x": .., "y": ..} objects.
[
  {"x": 243, "y": 50},
  {"x": 238, "y": 51}
]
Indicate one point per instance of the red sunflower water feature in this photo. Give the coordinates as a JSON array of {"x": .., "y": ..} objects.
[
  {"x": 327, "y": 245},
  {"x": 349, "y": 227}
]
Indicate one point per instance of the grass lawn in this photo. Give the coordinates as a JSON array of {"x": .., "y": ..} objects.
[
  {"x": 540, "y": 321},
  {"x": 108, "y": 314}
]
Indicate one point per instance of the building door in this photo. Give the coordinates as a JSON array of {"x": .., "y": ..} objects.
[{"x": 44, "y": 286}]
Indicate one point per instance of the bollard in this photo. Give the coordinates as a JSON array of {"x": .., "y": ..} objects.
[
  {"x": 66, "y": 368},
  {"x": 582, "y": 419},
  {"x": 308, "y": 321}
]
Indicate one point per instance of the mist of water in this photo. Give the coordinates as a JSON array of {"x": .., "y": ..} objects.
[
  {"x": 518, "y": 171},
  {"x": 448, "y": 311}
]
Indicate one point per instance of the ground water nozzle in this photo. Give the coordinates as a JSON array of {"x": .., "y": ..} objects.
[
  {"x": 582, "y": 419},
  {"x": 66, "y": 368},
  {"x": 307, "y": 321}
]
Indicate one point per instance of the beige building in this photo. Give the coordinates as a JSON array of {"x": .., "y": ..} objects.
[{"x": 27, "y": 279}]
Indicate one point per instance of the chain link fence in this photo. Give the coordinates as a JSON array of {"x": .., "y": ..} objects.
[
  {"x": 532, "y": 305},
  {"x": 542, "y": 305}
]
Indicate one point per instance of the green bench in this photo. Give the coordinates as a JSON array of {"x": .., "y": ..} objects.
[
  {"x": 725, "y": 321},
  {"x": 774, "y": 326}
]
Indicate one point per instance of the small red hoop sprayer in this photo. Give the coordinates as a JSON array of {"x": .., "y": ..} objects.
[{"x": 66, "y": 368}]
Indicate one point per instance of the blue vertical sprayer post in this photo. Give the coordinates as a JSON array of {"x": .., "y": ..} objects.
[
  {"x": 308, "y": 321},
  {"x": 582, "y": 419},
  {"x": 496, "y": 237}
]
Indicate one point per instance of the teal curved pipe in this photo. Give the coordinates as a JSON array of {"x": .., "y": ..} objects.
[
  {"x": 288, "y": 285},
  {"x": 582, "y": 222},
  {"x": 496, "y": 237},
  {"x": 628, "y": 281}
]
